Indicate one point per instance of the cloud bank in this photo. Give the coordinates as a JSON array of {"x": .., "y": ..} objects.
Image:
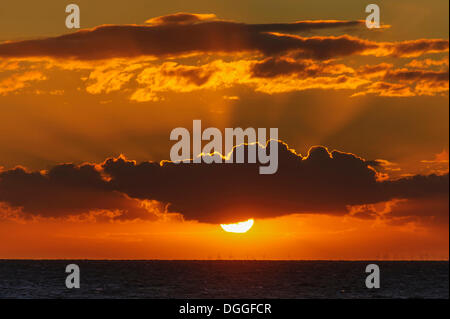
[
  {"x": 321, "y": 182},
  {"x": 270, "y": 58},
  {"x": 184, "y": 33}
]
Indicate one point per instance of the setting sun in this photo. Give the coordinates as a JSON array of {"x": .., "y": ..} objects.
[{"x": 241, "y": 227}]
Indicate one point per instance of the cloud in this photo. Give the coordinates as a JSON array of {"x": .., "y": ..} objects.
[
  {"x": 113, "y": 41},
  {"x": 425, "y": 82},
  {"x": 405, "y": 75},
  {"x": 271, "y": 75},
  {"x": 441, "y": 158},
  {"x": 19, "y": 81},
  {"x": 414, "y": 48},
  {"x": 181, "y": 18},
  {"x": 431, "y": 210},
  {"x": 111, "y": 77},
  {"x": 374, "y": 71},
  {"x": 273, "y": 67},
  {"x": 439, "y": 164},
  {"x": 174, "y": 77},
  {"x": 231, "y": 97},
  {"x": 387, "y": 89},
  {"x": 184, "y": 33},
  {"x": 68, "y": 190},
  {"x": 406, "y": 82},
  {"x": 268, "y": 76},
  {"x": 6, "y": 65},
  {"x": 321, "y": 182},
  {"x": 270, "y": 58},
  {"x": 427, "y": 63},
  {"x": 148, "y": 80}
]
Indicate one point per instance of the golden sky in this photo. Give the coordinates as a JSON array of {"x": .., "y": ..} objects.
[{"x": 86, "y": 118}]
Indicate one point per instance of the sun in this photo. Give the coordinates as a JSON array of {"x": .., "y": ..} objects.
[{"x": 241, "y": 227}]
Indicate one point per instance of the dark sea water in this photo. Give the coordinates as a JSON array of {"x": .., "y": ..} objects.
[{"x": 223, "y": 279}]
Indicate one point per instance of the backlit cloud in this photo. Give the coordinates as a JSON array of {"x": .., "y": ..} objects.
[
  {"x": 19, "y": 81},
  {"x": 183, "y": 33},
  {"x": 321, "y": 182},
  {"x": 181, "y": 18},
  {"x": 149, "y": 60}
]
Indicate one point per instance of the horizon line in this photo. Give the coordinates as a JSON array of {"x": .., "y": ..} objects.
[{"x": 288, "y": 260}]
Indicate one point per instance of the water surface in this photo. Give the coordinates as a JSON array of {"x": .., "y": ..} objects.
[{"x": 223, "y": 279}]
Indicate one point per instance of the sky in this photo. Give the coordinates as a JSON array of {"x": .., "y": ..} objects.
[{"x": 86, "y": 117}]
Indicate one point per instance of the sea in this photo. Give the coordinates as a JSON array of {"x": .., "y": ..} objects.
[{"x": 220, "y": 279}]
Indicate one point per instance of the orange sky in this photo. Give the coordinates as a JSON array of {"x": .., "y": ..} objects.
[
  {"x": 105, "y": 99},
  {"x": 292, "y": 237}
]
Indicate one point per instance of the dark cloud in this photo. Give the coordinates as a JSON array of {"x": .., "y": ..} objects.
[
  {"x": 186, "y": 33},
  {"x": 387, "y": 89},
  {"x": 374, "y": 69},
  {"x": 321, "y": 182},
  {"x": 110, "y": 41},
  {"x": 429, "y": 210},
  {"x": 193, "y": 74},
  {"x": 405, "y": 82},
  {"x": 417, "y": 47},
  {"x": 67, "y": 190},
  {"x": 273, "y": 67},
  {"x": 418, "y": 186},
  {"x": 282, "y": 66},
  {"x": 405, "y": 75}
]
